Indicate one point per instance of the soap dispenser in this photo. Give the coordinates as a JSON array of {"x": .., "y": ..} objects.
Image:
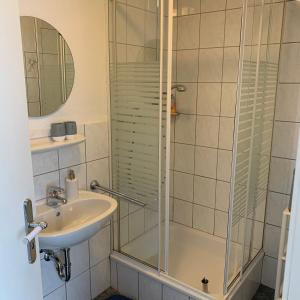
[{"x": 71, "y": 186}]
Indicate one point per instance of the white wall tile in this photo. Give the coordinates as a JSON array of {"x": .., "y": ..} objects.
[
  {"x": 80, "y": 173},
  {"x": 186, "y": 60},
  {"x": 221, "y": 222},
  {"x": 151, "y": 25},
  {"x": 210, "y": 65},
  {"x": 203, "y": 218},
  {"x": 292, "y": 22},
  {"x": 228, "y": 100},
  {"x": 226, "y": 133},
  {"x": 184, "y": 158},
  {"x": 224, "y": 165},
  {"x": 128, "y": 281},
  {"x": 186, "y": 101},
  {"x": 100, "y": 278},
  {"x": 271, "y": 240},
  {"x": 287, "y": 103},
  {"x": 208, "y": 5},
  {"x": 212, "y": 29},
  {"x": 183, "y": 186},
  {"x": 233, "y": 27},
  {"x": 79, "y": 255},
  {"x": 124, "y": 230},
  {"x": 149, "y": 288},
  {"x": 172, "y": 294},
  {"x": 269, "y": 272},
  {"x": 285, "y": 139},
  {"x": 136, "y": 224},
  {"x": 135, "y": 26},
  {"x": 204, "y": 191},
  {"x": 188, "y": 32},
  {"x": 206, "y": 162},
  {"x": 135, "y": 53},
  {"x": 222, "y": 195},
  {"x": 258, "y": 233},
  {"x": 121, "y": 12},
  {"x": 44, "y": 162},
  {"x": 188, "y": 7},
  {"x": 281, "y": 175},
  {"x": 96, "y": 141},
  {"x": 99, "y": 170},
  {"x": 59, "y": 294},
  {"x": 100, "y": 246},
  {"x": 185, "y": 129},
  {"x": 151, "y": 218},
  {"x": 207, "y": 131},
  {"x": 71, "y": 156},
  {"x": 50, "y": 280},
  {"x": 274, "y": 24},
  {"x": 231, "y": 64},
  {"x": 183, "y": 212},
  {"x": 234, "y": 4},
  {"x": 42, "y": 182},
  {"x": 137, "y": 3},
  {"x": 275, "y": 206},
  {"x": 289, "y": 71},
  {"x": 79, "y": 287},
  {"x": 209, "y": 97}
]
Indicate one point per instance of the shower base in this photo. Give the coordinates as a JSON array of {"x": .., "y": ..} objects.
[{"x": 193, "y": 255}]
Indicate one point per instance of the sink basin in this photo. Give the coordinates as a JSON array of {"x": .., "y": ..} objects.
[{"x": 76, "y": 221}]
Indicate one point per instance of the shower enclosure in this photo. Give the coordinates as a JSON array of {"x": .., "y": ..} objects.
[{"x": 195, "y": 160}]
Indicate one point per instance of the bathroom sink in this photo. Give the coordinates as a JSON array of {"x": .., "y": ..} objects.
[{"x": 78, "y": 220}]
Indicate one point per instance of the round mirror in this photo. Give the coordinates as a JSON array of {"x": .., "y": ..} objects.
[{"x": 49, "y": 67}]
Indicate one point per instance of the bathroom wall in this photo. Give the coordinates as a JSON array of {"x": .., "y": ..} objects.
[
  {"x": 85, "y": 28},
  {"x": 90, "y": 260},
  {"x": 84, "y": 25},
  {"x": 206, "y": 40},
  {"x": 285, "y": 138}
]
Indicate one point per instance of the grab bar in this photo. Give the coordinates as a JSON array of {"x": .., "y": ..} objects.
[{"x": 96, "y": 186}]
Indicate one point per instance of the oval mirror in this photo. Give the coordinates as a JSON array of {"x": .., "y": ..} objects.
[{"x": 49, "y": 67}]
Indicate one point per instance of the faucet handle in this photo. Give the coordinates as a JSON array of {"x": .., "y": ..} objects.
[
  {"x": 54, "y": 190},
  {"x": 53, "y": 195}
]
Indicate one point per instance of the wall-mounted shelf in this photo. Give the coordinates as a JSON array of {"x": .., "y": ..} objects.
[{"x": 46, "y": 144}]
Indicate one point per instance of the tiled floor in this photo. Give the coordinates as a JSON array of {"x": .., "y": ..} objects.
[
  {"x": 106, "y": 294},
  {"x": 264, "y": 293}
]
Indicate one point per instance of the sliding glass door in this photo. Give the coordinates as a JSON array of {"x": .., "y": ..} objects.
[
  {"x": 253, "y": 133},
  {"x": 138, "y": 80}
]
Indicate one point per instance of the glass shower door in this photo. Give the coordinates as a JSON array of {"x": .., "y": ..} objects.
[
  {"x": 138, "y": 123},
  {"x": 253, "y": 134}
]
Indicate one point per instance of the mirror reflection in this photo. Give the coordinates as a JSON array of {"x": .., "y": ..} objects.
[{"x": 49, "y": 67}]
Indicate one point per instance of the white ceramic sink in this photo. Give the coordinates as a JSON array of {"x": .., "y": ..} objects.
[{"x": 74, "y": 222}]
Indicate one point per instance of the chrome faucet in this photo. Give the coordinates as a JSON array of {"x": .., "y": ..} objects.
[{"x": 54, "y": 196}]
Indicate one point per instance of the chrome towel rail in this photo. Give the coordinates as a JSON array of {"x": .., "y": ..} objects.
[{"x": 96, "y": 186}]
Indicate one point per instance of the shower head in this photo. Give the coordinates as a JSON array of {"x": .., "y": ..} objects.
[{"x": 179, "y": 88}]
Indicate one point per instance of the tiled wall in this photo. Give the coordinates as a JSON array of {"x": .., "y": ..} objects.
[
  {"x": 136, "y": 30},
  {"x": 285, "y": 137},
  {"x": 206, "y": 42},
  {"x": 136, "y": 285},
  {"x": 90, "y": 260}
]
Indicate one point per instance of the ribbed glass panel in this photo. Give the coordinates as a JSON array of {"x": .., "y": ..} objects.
[
  {"x": 135, "y": 127},
  {"x": 253, "y": 138}
]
